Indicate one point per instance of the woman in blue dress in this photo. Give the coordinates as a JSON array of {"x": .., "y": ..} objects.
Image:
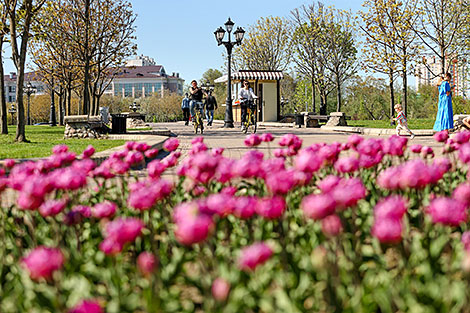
[{"x": 445, "y": 115}]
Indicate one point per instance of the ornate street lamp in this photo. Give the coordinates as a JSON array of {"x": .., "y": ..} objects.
[
  {"x": 219, "y": 36},
  {"x": 12, "y": 111},
  {"x": 29, "y": 90}
]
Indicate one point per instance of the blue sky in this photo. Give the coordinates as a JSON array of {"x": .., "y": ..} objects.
[{"x": 179, "y": 35}]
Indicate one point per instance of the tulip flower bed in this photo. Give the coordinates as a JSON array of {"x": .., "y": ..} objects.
[{"x": 367, "y": 226}]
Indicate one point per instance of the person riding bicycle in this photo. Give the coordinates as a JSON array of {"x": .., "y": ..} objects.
[
  {"x": 196, "y": 94},
  {"x": 246, "y": 96}
]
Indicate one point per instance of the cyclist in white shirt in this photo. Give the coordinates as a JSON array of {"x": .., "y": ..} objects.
[{"x": 246, "y": 96}]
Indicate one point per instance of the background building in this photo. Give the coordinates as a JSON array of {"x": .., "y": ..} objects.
[
  {"x": 426, "y": 72},
  {"x": 142, "y": 77}
]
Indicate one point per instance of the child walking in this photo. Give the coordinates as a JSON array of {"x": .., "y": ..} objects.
[{"x": 402, "y": 123}]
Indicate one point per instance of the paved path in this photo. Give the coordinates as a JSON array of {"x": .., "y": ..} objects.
[{"x": 232, "y": 139}]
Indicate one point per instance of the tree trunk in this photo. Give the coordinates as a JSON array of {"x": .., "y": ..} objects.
[
  {"x": 392, "y": 95},
  {"x": 313, "y": 94},
  {"x": 338, "y": 94},
  {"x": 69, "y": 101},
  {"x": 61, "y": 106},
  {"x": 405, "y": 91},
  {"x": 3, "y": 101},
  {"x": 86, "y": 93}
]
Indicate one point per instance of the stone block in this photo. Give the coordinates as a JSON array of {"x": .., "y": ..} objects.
[{"x": 337, "y": 119}]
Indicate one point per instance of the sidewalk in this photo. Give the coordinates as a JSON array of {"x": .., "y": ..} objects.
[
  {"x": 343, "y": 129},
  {"x": 374, "y": 131}
]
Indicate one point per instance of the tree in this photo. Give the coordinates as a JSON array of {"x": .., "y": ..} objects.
[
  {"x": 21, "y": 14},
  {"x": 219, "y": 90},
  {"x": 4, "y": 30},
  {"x": 338, "y": 47},
  {"x": 60, "y": 49},
  {"x": 266, "y": 46},
  {"x": 391, "y": 41},
  {"x": 439, "y": 28},
  {"x": 379, "y": 45},
  {"x": 324, "y": 47}
]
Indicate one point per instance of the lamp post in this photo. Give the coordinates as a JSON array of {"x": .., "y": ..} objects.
[
  {"x": 29, "y": 90},
  {"x": 12, "y": 111},
  {"x": 219, "y": 36}
]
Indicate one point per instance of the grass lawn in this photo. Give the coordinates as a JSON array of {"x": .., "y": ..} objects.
[
  {"x": 42, "y": 139},
  {"x": 412, "y": 123}
]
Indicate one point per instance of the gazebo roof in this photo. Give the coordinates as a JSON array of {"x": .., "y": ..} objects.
[{"x": 252, "y": 75}]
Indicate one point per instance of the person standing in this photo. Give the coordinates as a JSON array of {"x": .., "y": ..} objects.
[
  {"x": 211, "y": 105},
  {"x": 246, "y": 96},
  {"x": 445, "y": 115},
  {"x": 196, "y": 94},
  {"x": 185, "y": 108}
]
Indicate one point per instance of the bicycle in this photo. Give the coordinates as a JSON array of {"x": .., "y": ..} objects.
[
  {"x": 251, "y": 118},
  {"x": 198, "y": 121}
]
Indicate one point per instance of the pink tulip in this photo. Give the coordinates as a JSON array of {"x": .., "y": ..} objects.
[
  {"x": 254, "y": 255},
  {"x": 395, "y": 145},
  {"x": 462, "y": 193},
  {"x": 347, "y": 165},
  {"x": 280, "y": 182},
  {"x": 329, "y": 153},
  {"x": 151, "y": 153},
  {"x": 191, "y": 226},
  {"x": 142, "y": 147},
  {"x": 88, "y": 152},
  {"x": 87, "y": 306},
  {"x": 155, "y": 168},
  {"x": 348, "y": 192},
  {"x": 197, "y": 140},
  {"x": 252, "y": 140},
  {"x": 267, "y": 137},
  {"x": 52, "y": 207},
  {"x": 291, "y": 140},
  {"x": 9, "y": 163},
  {"x": 355, "y": 140},
  {"x": 124, "y": 230},
  {"x": 220, "y": 204},
  {"x": 415, "y": 174},
  {"x": 466, "y": 240},
  {"x": 217, "y": 151},
  {"x": 308, "y": 161},
  {"x": 224, "y": 172},
  {"x": 427, "y": 151},
  {"x": 367, "y": 161},
  {"x": 392, "y": 207},
  {"x": 390, "y": 178},
  {"x": 280, "y": 153},
  {"x": 84, "y": 210},
  {"x": 416, "y": 148},
  {"x": 331, "y": 225},
  {"x": 171, "y": 144},
  {"x": 318, "y": 206},
  {"x": 271, "y": 208},
  {"x": 441, "y": 136},
  {"x": 68, "y": 179},
  {"x": 245, "y": 207},
  {"x": 447, "y": 211},
  {"x": 329, "y": 183},
  {"x": 147, "y": 263},
  {"x": 388, "y": 231},
  {"x": 220, "y": 289},
  {"x": 43, "y": 261},
  {"x": 111, "y": 247},
  {"x": 462, "y": 137},
  {"x": 464, "y": 153},
  {"x": 130, "y": 145},
  {"x": 104, "y": 209},
  {"x": 370, "y": 147},
  {"x": 60, "y": 149}
]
